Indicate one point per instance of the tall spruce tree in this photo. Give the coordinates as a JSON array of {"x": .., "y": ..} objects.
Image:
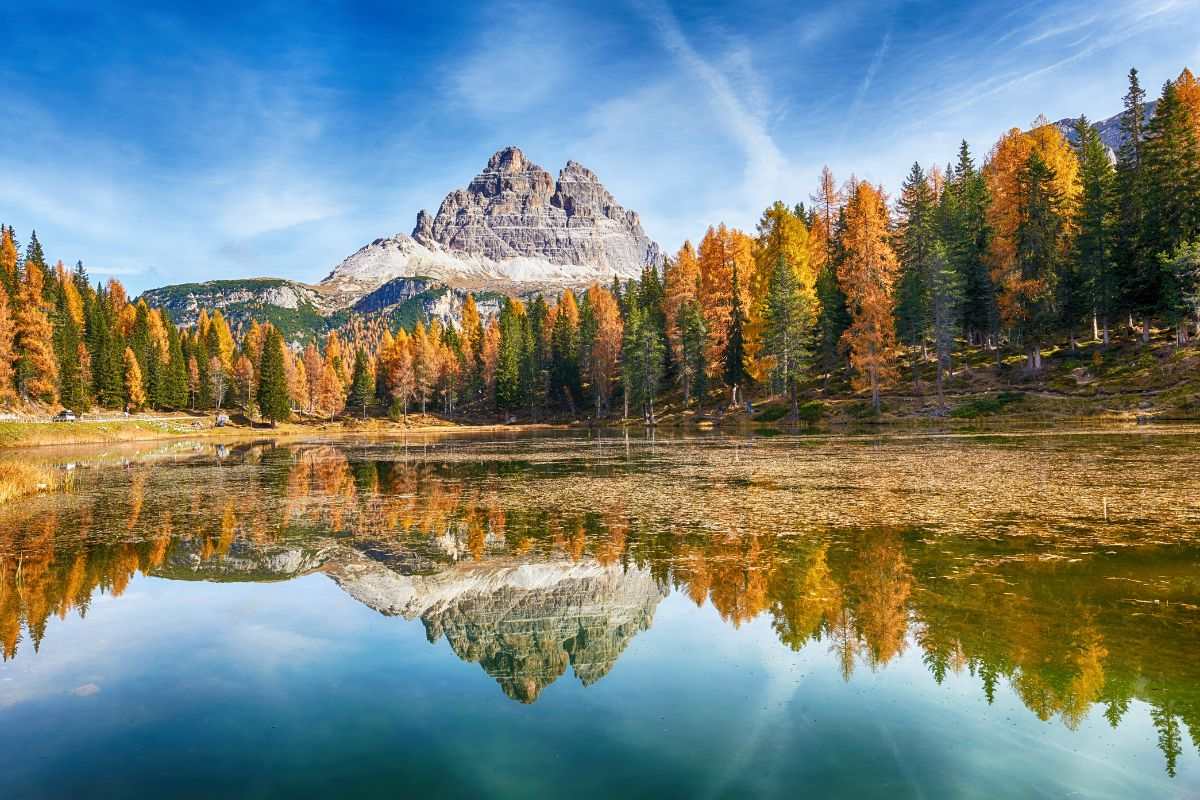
[
  {"x": 1094, "y": 267},
  {"x": 1171, "y": 159},
  {"x": 1037, "y": 244},
  {"x": 362, "y": 385},
  {"x": 964, "y": 216},
  {"x": 918, "y": 235},
  {"x": 1130, "y": 252},
  {"x": 72, "y": 392},
  {"x": 734, "y": 357},
  {"x": 945, "y": 302},
  {"x": 273, "y": 401},
  {"x": 509, "y": 388},
  {"x": 643, "y": 350},
  {"x": 175, "y": 385},
  {"x": 692, "y": 334},
  {"x": 787, "y": 325}
]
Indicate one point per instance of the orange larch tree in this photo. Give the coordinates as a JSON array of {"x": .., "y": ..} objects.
[
  {"x": 37, "y": 367},
  {"x": 682, "y": 285},
  {"x": 866, "y": 275},
  {"x": 720, "y": 250},
  {"x": 7, "y": 392},
  {"x": 604, "y": 361},
  {"x": 1004, "y": 174},
  {"x": 781, "y": 234}
]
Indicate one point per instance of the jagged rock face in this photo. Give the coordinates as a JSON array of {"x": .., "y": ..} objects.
[
  {"x": 523, "y": 623},
  {"x": 515, "y": 209},
  {"x": 514, "y": 229}
]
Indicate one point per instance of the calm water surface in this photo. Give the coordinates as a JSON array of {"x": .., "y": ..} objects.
[{"x": 1000, "y": 616}]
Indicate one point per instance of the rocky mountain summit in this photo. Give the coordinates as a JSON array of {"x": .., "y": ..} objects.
[
  {"x": 524, "y": 623},
  {"x": 514, "y": 209},
  {"x": 514, "y": 229}
]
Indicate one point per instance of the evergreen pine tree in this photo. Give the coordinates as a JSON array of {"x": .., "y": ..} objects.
[
  {"x": 786, "y": 332},
  {"x": 273, "y": 401},
  {"x": 693, "y": 335},
  {"x": 918, "y": 234},
  {"x": 1171, "y": 161},
  {"x": 1130, "y": 253},
  {"x": 964, "y": 217},
  {"x": 734, "y": 358},
  {"x": 72, "y": 392},
  {"x": 508, "y": 364},
  {"x": 642, "y": 357},
  {"x": 945, "y": 301},
  {"x": 1038, "y": 262},
  {"x": 565, "y": 377},
  {"x": 362, "y": 385},
  {"x": 175, "y": 385},
  {"x": 1094, "y": 268}
]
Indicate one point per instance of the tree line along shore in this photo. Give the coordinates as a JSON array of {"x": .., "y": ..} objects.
[{"x": 1055, "y": 270}]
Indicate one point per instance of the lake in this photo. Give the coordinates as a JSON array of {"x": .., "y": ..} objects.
[{"x": 993, "y": 615}]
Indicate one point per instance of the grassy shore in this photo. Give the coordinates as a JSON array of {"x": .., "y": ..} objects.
[{"x": 18, "y": 480}]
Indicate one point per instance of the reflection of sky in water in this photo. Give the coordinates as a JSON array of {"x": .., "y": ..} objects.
[
  {"x": 294, "y": 685},
  {"x": 281, "y": 644}
]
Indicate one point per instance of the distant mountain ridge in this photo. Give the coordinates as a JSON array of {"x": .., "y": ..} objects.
[
  {"x": 1109, "y": 129},
  {"x": 514, "y": 229}
]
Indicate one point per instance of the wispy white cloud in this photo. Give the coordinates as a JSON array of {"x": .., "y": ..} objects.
[
  {"x": 869, "y": 77},
  {"x": 764, "y": 164}
]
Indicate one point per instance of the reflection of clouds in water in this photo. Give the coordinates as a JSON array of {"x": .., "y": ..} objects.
[
  {"x": 269, "y": 648},
  {"x": 462, "y": 528}
]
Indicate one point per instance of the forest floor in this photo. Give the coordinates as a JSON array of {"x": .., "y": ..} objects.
[{"x": 1126, "y": 382}]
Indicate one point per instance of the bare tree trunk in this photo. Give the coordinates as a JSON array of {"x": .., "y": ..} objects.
[
  {"x": 1146, "y": 329},
  {"x": 940, "y": 381}
]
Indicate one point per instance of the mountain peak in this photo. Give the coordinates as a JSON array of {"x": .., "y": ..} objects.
[{"x": 508, "y": 159}]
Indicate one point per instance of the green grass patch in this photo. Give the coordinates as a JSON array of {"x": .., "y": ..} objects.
[{"x": 986, "y": 406}]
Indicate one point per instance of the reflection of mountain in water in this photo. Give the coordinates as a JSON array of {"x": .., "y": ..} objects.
[
  {"x": 243, "y": 561},
  {"x": 522, "y": 622}
]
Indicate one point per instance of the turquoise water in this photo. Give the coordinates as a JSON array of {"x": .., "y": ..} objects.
[{"x": 453, "y": 620}]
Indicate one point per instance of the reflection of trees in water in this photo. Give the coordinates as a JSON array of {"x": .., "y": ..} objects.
[{"x": 1060, "y": 635}]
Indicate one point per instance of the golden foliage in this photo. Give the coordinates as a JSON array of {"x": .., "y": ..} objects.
[
  {"x": 720, "y": 251},
  {"x": 866, "y": 275}
]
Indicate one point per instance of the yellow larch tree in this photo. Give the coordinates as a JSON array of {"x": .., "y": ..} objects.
[
  {"x": 866, "y": 275},
  {"x": 224, "y": 339},
  {"x": 489, "y": 357},
  {"x": 604, "y": 361},
  {"x": 36, "y": 365},
  {"x": 1003, "y": 174},
  {"x": 720, "y": 251},
  {"x": 781, "y": 234},
  {"x": 682, "y": 285},
  {"x": 8, "y": 256},
  {"x": 7, "y": 356},
  {"x": 135, "y": 389}
]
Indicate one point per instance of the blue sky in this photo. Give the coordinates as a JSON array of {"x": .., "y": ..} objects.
[{"x": 166, "y": 144}]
